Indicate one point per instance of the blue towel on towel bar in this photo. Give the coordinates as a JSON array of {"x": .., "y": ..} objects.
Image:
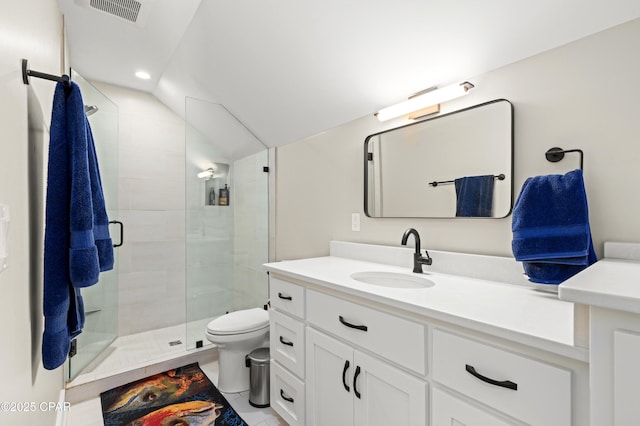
[
  {"x": 72, "y": 225},
  {"x": 88, "y": 218},
  {"x": 474, "y": 196},
  {"x": 550, "y": 224}
]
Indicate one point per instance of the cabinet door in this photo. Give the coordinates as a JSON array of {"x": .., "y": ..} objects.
[
  {"x": 626, "y": 376},
  {"x": 329, "y": 383},
  {"x": 384, "y": 395}
]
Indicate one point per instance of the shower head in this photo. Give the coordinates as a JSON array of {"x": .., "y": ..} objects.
[{"x": 90, "y": 109}]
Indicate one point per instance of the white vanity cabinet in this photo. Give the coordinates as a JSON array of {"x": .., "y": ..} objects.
[
  {"x": 334, "y": 381},
  {"x": 342, "y": 375},
  {"x": 286, "y": 335},
  {"x": 348, "y": 353}
]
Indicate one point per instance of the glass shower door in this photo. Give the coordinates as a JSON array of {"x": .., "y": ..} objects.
[
  {"x": 101, "y": 299},
  {"x": 227, "y": 238}
]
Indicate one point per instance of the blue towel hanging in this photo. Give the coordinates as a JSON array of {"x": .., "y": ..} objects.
[
  {"x": 550, "y": 224},
  {"x": 76, "y": 233},
  {"x": 474, "y": 196}
]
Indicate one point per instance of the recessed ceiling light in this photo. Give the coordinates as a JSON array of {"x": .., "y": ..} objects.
[{"x": 143, "y": 75}]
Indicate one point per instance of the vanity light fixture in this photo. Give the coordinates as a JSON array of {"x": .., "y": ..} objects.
[
  {"x": 206, "y": 174},
  {"x": 424, "y": 100}
]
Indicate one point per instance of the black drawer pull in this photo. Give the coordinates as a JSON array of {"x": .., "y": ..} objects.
[
  {"x": 283, "y": 297},
  {"x": 285, "y": 397},
  {"x": 505, "y": 384},
  {"x": 285, "y": 342},
  {"x": 344, "y": 376},
  {"x": 355, "y": 378},
  {"x": 357, "y": 327}
]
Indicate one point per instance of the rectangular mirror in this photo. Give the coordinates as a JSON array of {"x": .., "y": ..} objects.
[{"x": 458, "y": 164}]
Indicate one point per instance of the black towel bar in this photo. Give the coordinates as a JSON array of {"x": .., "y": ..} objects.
[
  {"x": 501, "y": 176},
  {"x": 556, "y": 154},
  {"x": 26, "y": 73}
]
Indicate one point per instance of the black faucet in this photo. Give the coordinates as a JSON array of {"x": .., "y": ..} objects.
[{"x": 418, "y": 260}]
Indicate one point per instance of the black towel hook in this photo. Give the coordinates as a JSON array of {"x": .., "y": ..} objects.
[{"x": 556, "y": 154}]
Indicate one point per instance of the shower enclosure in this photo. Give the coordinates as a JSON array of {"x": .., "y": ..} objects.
[
  {"x": 101, "y": 299},
  {"x": 227, "y": 217}
]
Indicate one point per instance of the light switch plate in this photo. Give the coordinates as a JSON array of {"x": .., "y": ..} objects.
[{"x": 355, "y": 221}]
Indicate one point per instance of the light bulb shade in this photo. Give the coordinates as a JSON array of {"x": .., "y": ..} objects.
[
  {"x": 425, "y": 100},
  {"x": 205, "y": 173}
]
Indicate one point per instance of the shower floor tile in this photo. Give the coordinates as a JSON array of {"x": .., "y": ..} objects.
[{"x": 135, "y": 351}]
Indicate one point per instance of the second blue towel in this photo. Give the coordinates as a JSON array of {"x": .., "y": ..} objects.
[{"x": 550, "y": 224}]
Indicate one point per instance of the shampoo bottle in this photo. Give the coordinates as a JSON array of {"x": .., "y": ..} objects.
[
  {"x": 223, "y": 197},
  {"x": 212, "y": 197}
]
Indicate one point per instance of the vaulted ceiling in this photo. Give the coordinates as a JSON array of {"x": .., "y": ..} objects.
[{"x": 289, "y": 69}]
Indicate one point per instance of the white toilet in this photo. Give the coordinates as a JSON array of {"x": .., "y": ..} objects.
[{"x": 236, "y": 334}]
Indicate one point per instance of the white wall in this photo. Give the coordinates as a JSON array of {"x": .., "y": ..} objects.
[
  {"x": 30, "y": 29},
  {"x": 151, "y": 198},
  {"x": 582, "y": 95}
]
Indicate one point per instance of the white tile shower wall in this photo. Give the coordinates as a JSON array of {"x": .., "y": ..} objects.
[{"x": 151, "y": 197}]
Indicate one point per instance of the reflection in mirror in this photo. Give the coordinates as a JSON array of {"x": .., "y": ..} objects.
[{"x": 455, "y": 165}]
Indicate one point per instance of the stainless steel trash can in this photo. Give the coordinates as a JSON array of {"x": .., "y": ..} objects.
[{"x": 258, "y": 363}]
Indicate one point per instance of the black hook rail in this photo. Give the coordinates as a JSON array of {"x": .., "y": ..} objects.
[
  {"x": 26, "y": 73},
  {"x": 556, "y": 154},
  {"x": 501, "y": 176}
]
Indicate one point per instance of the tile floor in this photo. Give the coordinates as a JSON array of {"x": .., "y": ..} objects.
[{"x": 144, "y": 349}]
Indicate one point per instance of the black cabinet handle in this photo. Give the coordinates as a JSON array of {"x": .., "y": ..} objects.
[
  {"x": 344, "y": 376},
  {"x": 355, "y": 378},
  {"x": 285, "y": 342},
  {"x": 283, "y": 297},
  {"x": 357, "y": 327},
  {"x": 117, "y": 222},
  {"x": 285, "y": 397},
  {"x": 505, "y": 384}
]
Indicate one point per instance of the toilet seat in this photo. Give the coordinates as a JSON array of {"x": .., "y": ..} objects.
[{"x": 239, "y": 322}]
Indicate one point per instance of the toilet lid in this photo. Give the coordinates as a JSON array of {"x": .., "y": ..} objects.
[{"x": 237, "y": 322}]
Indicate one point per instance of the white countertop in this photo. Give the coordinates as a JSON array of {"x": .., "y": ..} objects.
[
  {"x": 609, "y": 283},
  {"x": 513, "y": 312}
]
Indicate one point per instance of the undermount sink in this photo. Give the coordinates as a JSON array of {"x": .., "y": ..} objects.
[{"x": 392, "y": 279}]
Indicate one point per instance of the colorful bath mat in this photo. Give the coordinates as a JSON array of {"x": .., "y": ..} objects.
[{"x": 183, "y": 396}]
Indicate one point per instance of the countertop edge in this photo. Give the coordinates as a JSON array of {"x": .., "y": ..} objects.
[{"x": 609, "y": 283}]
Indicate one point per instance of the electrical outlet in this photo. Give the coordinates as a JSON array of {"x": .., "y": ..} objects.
[{"x": 355, "y": 221}]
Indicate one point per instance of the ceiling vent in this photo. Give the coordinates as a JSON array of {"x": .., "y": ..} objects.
[{"x": 133, "y": 11}]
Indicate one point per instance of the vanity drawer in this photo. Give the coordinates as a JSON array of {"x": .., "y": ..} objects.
[
  {"x": 287, "y": 395},
  {"x": 449, "y": 410},
  {"x": 287, "y": 342},
  {"x": 529, "y": 390},
  {"x": 286, "y": 297},
  {"x": 397, "y": 339}
]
